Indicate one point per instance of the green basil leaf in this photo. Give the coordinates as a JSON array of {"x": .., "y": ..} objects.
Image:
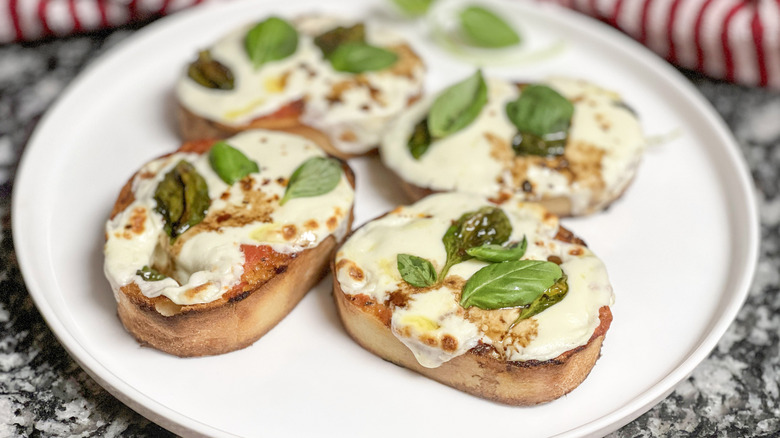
[
  {"x": 488, "y": 225},
  {"x": 329, "y": 41},
  {"x": 525, "y": 143},
  {"x": 457, "y": 106},
  {"x": 150, "y": 274},
  {"x": 361, "y": 57},
  {"x": 509, "y": 284},
  {"x": 497, "y": 253},
  {"x": 543, "y": 117},
  {"x": 553, "y": 295},
  {"x": 420, "y": 140},
  {"x": 541, "y": 111},
  {"x": 182, "y": 199},
  {"x": 416, "y": 271},
  {"x": 230, "y": 163},
  {"x": 270, "y": 40},
  {"x": 316, "y": 176},
  {"x": 484, "y": 28},
  {"x": 210, "y": 73},
  {"x": 414, "y": 7}
]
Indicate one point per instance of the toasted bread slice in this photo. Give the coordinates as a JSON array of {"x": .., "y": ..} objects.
[
  {"x": 303, "y": 93},
  {"x": 497, "y": 353},
  {"x": 227, "y": 279},
  {"x": 585, "y": 168}
]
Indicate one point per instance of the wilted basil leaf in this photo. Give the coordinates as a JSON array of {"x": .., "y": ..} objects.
[
  {"x": 488, "y": 225},
  {"x": 270, "y": 40},
  {"x": 509, "y": 284},
  {"x": 210, "y": 73},
  {"x": 420, "y": 140},
  {"x": 416, "y": 271},
  {"x": 497, "y": 253},
  {"x": 457, "y": 106},
  {"x": 551, "y": 296},
  {"x": 361, "y": 57},
  {"x": 414, "y": 7},
  {"x": 330, "y": 40},
  {"x": 484, "y": 28},
  {"x": 316, "y": 176},
  {"x": 150, "y": 274},
  {"x": 230, "y": 163},
  {"x": 182, "y": 199},
  {"x": 543, "y": 117},
  {"x": 525, "y": 143}
]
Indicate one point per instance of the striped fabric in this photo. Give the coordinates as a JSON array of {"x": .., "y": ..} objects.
[
  {"x": 25, "y": 20},
  {"x": 735, "y": 40}
]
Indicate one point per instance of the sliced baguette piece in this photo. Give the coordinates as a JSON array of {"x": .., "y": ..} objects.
[
  {"x": 273, "y": 263},
  {"x": 343, "y": 112},
  {"x": 479, "y": 351},
  {"x": 603, "y": 149}
]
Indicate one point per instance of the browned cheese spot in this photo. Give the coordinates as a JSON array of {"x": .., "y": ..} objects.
[
  {"x": 449, "y": 343},
  {"x": 192, "y": 293},
  {"x": 282, "y": 181},
  {"x": 332, "y": 223},
  {"x": 429, "y": 340},
  {"x": 555, "y": 259},
  {"x": 311, "y": 224},
  {"x": 522, "y": 333},
  {"x": 407, "y": 62},
  {"x": 576, "y": 251},
  {"x": 500, "y": 149},
  {"x": 348, "y": 136},
  {"x": 289, "y": 232},
  {"x": 136, "y": 223}
]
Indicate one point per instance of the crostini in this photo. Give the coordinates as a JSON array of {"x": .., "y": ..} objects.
[
  {"x": 497, "y": 300},
  {"x": 566, "y": 143},
  {"x": 337, "y": 81},
  {"x": 210, "y": 247}
]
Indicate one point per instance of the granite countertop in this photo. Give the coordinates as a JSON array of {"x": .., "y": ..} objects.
[{"x": 43, "y": 392}]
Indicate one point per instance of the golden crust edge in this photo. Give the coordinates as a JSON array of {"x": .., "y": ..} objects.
[
  {"x": 511, "y": 383},
  {"x": 223, "y": 325}
]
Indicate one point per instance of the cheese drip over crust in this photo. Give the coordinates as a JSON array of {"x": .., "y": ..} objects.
[
  {"x": 431, "y": 322},
  {"x": 601, "y": 156},
  {"x": 207, "y": 261},
  {"x": 352, "y": 109}
]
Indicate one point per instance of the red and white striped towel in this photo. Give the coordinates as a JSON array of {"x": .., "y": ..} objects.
[
  {"x": 26, "y": 20},
  {"x": 735, "y": 40}
]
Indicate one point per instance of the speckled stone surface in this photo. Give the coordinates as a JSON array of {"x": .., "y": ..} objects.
[{"x": 43, "y": 392}]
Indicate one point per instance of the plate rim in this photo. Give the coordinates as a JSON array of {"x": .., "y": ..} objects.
[{"x": 183, "y": 424}]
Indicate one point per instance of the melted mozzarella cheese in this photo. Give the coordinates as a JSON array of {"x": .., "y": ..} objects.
[
  {"x": 430, "y": 316},
  {"x": 210, "y": 262},
  {"x": 354, "y": 122},
  {"x": 479, "y": 159}
]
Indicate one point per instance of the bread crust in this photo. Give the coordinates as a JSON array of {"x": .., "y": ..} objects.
[
  {"x": 239, "y": 317},
  {"x": 193, "y": 127},
  {"x": 558, "y": 205},
  {"x": 479, "y": 371}
]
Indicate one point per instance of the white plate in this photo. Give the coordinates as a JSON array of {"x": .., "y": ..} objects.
[{"x": 680, "y": 247}]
